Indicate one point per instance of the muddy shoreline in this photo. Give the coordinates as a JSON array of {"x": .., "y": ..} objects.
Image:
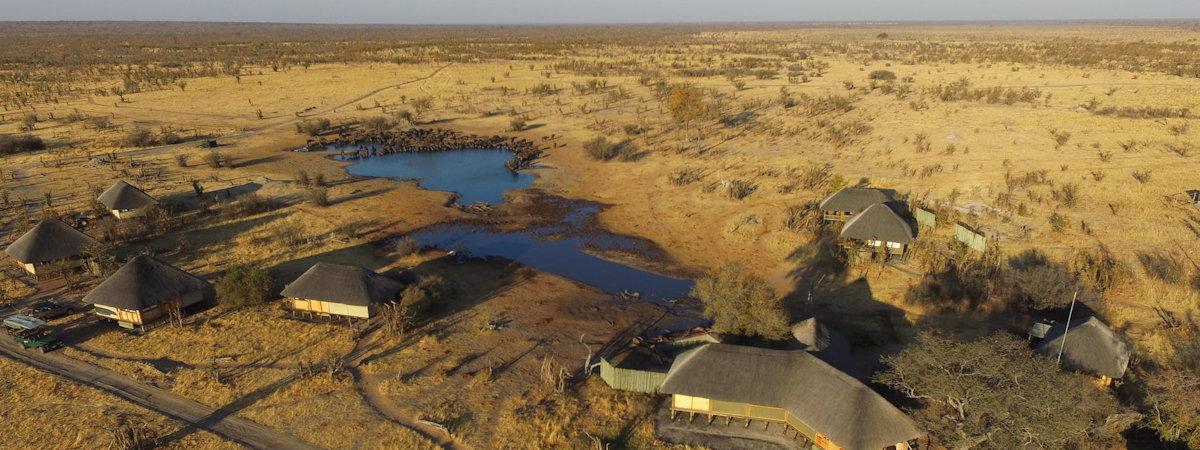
[{"x": 416, "y": 140}]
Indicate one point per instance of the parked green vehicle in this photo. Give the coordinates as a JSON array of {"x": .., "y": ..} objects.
[{"x": 31, "y": 332}]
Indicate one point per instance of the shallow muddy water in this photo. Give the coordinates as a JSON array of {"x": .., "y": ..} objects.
[
  {"x": 475, "y": 175},
  {"x": 568, "y": 245},
  {"x": 564, "y": 249}
]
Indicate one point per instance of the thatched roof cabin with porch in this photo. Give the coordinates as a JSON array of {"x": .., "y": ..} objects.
[
  {"x": 337, "y": 289},
  {"x": 879, "y": 226},
  {"x": 47, "y": 242},
  {"x": 827, "y": 406},
  {"x": 843, "y": 204},
  {"x": 145, "y": 289},
  {"x": 125, "y": 200}
]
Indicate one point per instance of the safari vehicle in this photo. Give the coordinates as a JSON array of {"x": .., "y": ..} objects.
[
  {"x": 30, "y": 332},
  {"x": 48, "y": 310}
]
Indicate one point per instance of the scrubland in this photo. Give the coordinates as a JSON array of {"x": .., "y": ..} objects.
[{"x": 1075, "y": 141}]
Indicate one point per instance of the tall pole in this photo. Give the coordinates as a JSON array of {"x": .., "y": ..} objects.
[{"x": 1070, "y": 313}]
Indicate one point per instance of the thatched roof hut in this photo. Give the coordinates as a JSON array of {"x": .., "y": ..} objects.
[
  {"x": 49, "y": 240},
  {"x": 134, "y": 293},
  {"x": 849, "y": 201},
  {"x": 878, "y": 223},
  {"x": 740, "y": 381},
  {"x": 123, "y": 197},
  {"x": 823, "y": 342},
  {"x": 1091, "y": 346},
  {"x": 340, "y": 289}
]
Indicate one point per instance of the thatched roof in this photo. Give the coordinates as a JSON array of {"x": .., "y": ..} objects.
[
  {"x": 854, "y": 200},
  {"x": 123, "y": 196},
  {"x": 834, "y": 404},
  {"x": 1091, "y": 347},
  {"x": 349, "y": 285},
  {"x": 143, "y": 282},
  {"x": 878, "y": 222},
  {"x": 823, "y": 342},
  {"x": 49, "y": 240}
]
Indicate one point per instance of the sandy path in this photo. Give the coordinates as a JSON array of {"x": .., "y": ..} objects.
[
  {"x": 368, "y": 387},
  {"x": 217, "y": 421}
]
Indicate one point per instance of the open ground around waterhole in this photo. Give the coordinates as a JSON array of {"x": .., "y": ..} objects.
[{"x": 1083, "y": 153}]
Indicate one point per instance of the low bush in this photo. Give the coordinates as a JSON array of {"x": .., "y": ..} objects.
[
  {"x": 518, "y": 123},
  {"x": 312, "y": 127},
  {"x": 428, "y": 294},
  {"x": 601, "y": 149},
  {"x": 21, "y": 143},
  {"x": 740, "y": 189},
  {"x": 684, "y": 176},
  {"x": 317, "y": 196},
  {"x": 138, "y": 137},
  {"x": 882, "y": 75}
]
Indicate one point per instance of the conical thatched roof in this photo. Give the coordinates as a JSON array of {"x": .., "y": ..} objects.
[
  {"x": 349, "y": 285},
  {"x": 123, "y": 196},
  {"x": 854, "y": 200},
  {"x": 834, "y": 404},
  {"x": 1091, "y": 347},
  {"x": 49, "y": 240},
  {"x": 143, "y": 282},
  {"x": 878, "y": 222},
  {"x": 823, "y": 342}
]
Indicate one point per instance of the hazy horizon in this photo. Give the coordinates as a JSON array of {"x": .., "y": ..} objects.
[{"x": 456, "y": 12}]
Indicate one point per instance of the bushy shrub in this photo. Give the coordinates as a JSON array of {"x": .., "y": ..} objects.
[
  {"x": 10, "y": 144},
  {"x": 169, "y": 137},
  {"x": 317, "y": 196},
  {"x": 426, "y": 295},
  {"x": 312, "y": 127},
  {"x": 214, "y": 160},
  {"x": 1045, "y": 286},
  {"x": 376, "y": 124},
  {"x": 684, "y": 176},
  {"x": 138, "y": 137},
  {"x": 741, "y": 303},
  {"x": 518, "y": 123},
  {"x": 243, "y": 286},
  {"x": 883, "y": 75},
  {"x": 740, "y": 189},
  {"x": 601, "y": 149}
]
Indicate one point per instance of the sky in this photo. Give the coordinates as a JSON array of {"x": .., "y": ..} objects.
[{"x": 591, "y": 11}]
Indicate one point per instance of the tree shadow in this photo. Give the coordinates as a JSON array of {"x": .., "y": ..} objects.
[
  {"x": 360, "y": 194},
  {"x": 257, "y": 161},
  {"x": 823, "y": 287}
]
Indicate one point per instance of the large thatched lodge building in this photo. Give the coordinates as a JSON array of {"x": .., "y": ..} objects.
[{"x": 802, "y": 391}]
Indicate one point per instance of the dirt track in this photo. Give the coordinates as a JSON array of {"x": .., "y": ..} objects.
[{"x": 217, "y": 421}]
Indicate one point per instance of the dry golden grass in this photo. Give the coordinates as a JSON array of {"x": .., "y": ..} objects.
[{"x": 44, "y": 411}]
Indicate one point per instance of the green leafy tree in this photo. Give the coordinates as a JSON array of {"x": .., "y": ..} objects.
[
  {"x": 995, "y": 393},
  {"x": 740, "y": 303},
  {"x": 244, "y": 286}
]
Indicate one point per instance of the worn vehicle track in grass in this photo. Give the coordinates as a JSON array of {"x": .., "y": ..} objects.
[
  {"x": 220, "y": 421},
  {"x": 367, "y": 386}
]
